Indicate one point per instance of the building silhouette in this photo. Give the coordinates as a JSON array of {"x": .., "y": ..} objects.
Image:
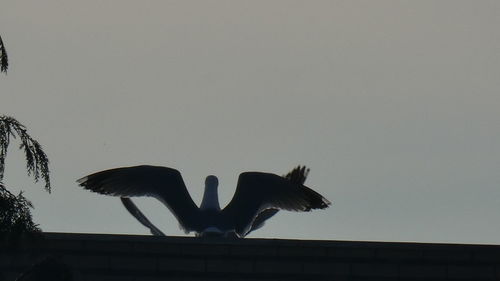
[{"x": 131, "y": 257}]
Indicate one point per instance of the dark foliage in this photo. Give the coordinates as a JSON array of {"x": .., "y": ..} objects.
[
  {"x": 37, "y": 162},
  {"x": 16, "y": 222},
  {"x": 4, "y": 61},
  {"x": 15, "y": 217}
]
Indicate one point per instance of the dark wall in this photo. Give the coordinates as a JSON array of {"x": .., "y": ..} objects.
[{"x": 126, "y": 258}]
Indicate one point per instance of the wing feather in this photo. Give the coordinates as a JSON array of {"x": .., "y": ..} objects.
[
  {"x": 137, "y": 214},
  {"x": 258, "y": 191},
  {"x": 165, "y": 184}
]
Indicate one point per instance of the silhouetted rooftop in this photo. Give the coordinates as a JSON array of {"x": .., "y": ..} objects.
[{"x": 134, "y": 257}]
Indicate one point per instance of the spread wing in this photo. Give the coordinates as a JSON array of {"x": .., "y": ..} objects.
[
  {"x": 257, "y": 191},
  {"x": 163, "y": 183},
  {"x": 296, "y": 176}
]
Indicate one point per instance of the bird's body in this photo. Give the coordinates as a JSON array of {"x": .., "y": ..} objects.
[{"x": 258, "y": 197}]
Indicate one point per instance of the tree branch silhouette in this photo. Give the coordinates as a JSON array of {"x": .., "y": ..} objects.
[
  {"x": 15, "y": 211},
  {"x": 37, "y": 162},
  {"x": 4, "y": 61},
  {"x": 15, "y": 215}
]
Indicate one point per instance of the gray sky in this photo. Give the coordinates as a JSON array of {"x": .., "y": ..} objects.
[{"x": 394, "y": 105}]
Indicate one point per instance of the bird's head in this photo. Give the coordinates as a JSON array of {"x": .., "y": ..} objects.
[
  {"x": 210, "y": 199},
  {"x": 211, "y": 182}
]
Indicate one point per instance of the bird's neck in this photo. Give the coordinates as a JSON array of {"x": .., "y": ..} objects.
[{"x": 210, "y": 199}]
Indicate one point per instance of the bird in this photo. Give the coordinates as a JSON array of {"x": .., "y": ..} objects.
[
  {"x": 297, "y": 176},
  {"x": 258, "y": 197}
]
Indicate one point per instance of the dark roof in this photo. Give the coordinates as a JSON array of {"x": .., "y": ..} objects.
[{"x": 133, "y": 257}]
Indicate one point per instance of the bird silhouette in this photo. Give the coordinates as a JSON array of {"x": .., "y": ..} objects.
[{"x": 258, "y": 197}]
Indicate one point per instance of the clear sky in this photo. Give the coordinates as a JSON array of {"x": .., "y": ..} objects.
[{"x": 394, "y": 105}]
